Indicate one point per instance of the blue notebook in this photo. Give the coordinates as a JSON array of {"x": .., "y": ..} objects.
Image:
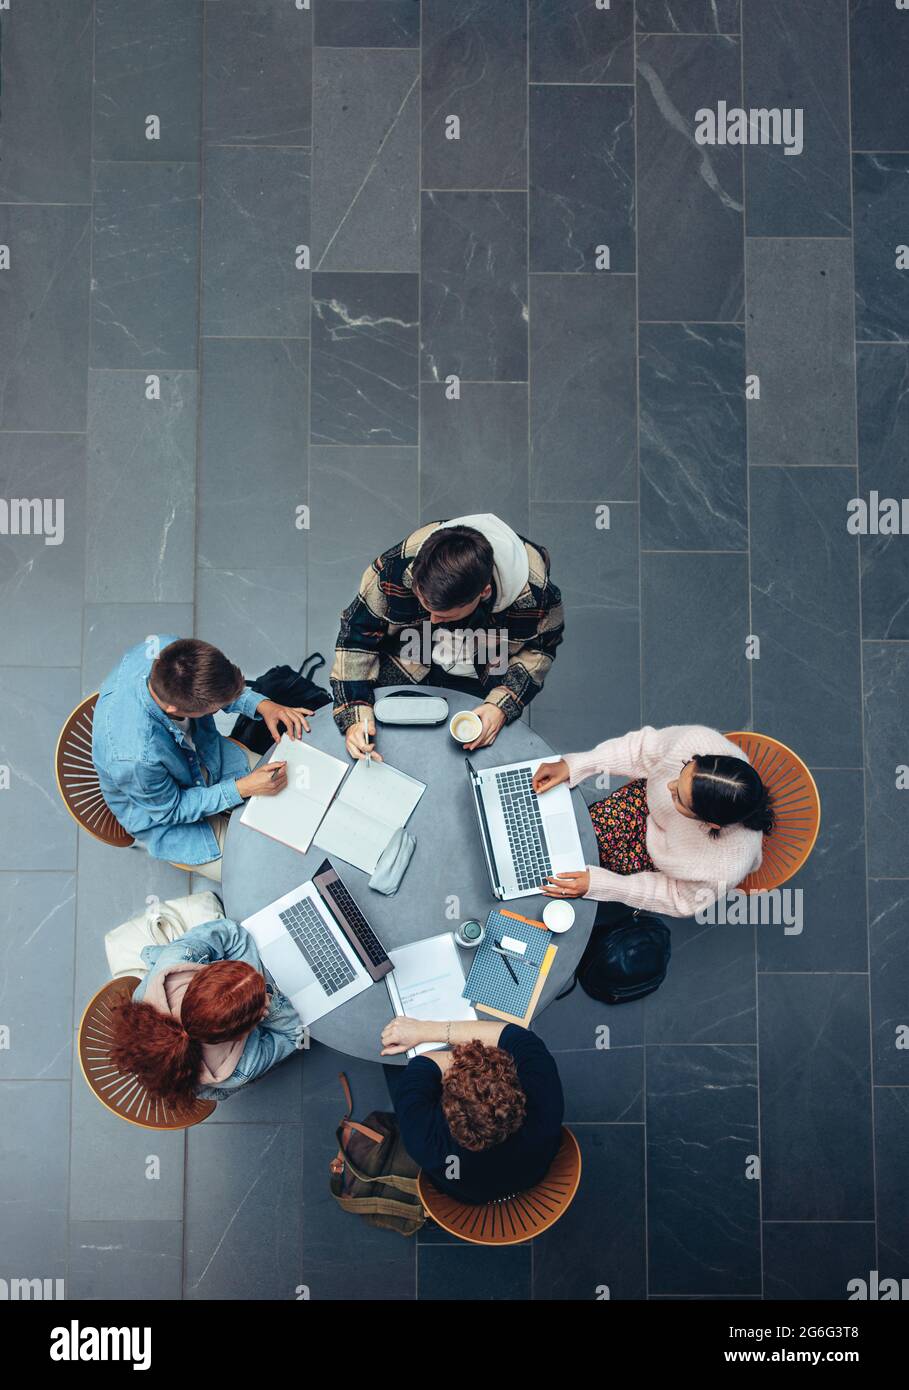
[{"x": 490, "y": 987}]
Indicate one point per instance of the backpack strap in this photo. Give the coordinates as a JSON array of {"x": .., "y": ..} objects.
[
  {"x": 566, "y": 992},
  {"x": 337, "y": 1163},
  {"x": 317, "y": 660}
]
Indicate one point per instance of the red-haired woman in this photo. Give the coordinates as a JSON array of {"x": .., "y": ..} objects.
[
  {"x": 483, "y": 1120},
  {"x": 205, "y": 1020}
]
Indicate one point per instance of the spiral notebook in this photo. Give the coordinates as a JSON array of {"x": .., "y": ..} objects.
[{"x": 490, "y": 986}]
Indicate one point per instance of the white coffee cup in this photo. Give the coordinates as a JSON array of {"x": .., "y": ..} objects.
[
  {"x": 558, "y": 916},
  {"x": 464, "y": 726}
]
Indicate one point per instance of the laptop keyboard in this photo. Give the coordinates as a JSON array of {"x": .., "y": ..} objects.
[
  {"x": 348, "y": 909},
  {"x": 316, "y": 944},
  {"x": 524, "y": 825}
]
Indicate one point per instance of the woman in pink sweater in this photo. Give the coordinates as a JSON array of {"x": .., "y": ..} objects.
[{"x": 686, "y": 830}]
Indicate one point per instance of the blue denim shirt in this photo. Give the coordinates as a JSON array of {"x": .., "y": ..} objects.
[
  {"x": 150, "y": 778},
  {"x": 280, "y": 1033}
]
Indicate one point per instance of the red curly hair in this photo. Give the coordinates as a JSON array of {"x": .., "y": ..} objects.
[
  {"x": 221, "y": 1002},
  {"x": 482, "y": 1099}
]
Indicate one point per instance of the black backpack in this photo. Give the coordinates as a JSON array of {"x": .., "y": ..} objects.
[
  {"x": 288, "y": 687},
  {"x": 624, "y": 960}
]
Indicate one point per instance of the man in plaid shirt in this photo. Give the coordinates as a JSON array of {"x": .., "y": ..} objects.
[{"x": 467, "y": 604}]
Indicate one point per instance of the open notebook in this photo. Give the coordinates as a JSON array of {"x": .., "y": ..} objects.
[
  {"x": 293, "y": 815},
  {"x": 374, "y": 802}
]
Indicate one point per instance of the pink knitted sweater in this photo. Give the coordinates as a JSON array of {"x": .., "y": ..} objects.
[{"x": 692, "y": 870}]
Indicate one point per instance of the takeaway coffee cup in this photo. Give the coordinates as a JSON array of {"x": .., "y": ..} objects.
[{"x": 464, "y": 726}]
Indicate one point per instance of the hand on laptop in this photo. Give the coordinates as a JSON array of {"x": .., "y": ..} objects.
[
  {"x": 572, "y": 885},
  {"x": 492, "y": 719},
  {"x": 549, "y": 775},
  {"x": 293, "y": 718},
  {"x": 267, "y": 780},
  {"x": 361, "y": 741}
]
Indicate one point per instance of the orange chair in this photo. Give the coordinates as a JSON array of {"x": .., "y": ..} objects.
[
  {"x": 796, "y": 808},
  {"x": 514, "y": 1219},
  {"x": 77, "y": 779},
  {"x": 120, "y": 1092}
]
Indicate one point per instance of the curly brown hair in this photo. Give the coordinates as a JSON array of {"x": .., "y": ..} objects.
[{"x": 482, "y": 1099}]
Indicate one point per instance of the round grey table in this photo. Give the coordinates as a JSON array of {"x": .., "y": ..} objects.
[{"x": 447, "y": 872}]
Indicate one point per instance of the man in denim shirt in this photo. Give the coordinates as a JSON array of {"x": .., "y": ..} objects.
[{"x": 166, "y": 772}]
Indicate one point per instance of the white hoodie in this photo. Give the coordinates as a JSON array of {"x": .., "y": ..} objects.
[{"x": 510, "y": 568}]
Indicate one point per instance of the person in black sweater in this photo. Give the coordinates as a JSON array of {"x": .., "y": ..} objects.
[{"x": 484, "y": 1119}]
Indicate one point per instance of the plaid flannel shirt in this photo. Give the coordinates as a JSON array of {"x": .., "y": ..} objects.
[{"x": 386, "y": 613}]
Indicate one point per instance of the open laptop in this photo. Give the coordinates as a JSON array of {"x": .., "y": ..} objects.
[
  {"x": 525, "y": 837},
  {"x": 317, "y": 945}
]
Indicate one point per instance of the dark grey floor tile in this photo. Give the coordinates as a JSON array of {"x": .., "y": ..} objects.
[
  {"x": 603, "y": 1086},
  {"x": 572, "y": 41},
  {"x": 363, "y": 501},
  {"x": 688, "y": 16},
  {"x": 42, "y": 547},
  {"x": 880, "y": 192},
  {"x": 257, "y": 209},
  {"x": 695, "y": 602},
  {"x": 45, "y": 146},
  {"x": 366, "y": 162},
  {"x": 694, "y": 488},
  {"x": 816, "y": 1159},
  {"x": 581, "y": 1023},
  {"x": 708, "y": 995},
  {"x": 253, "y": 474},
  {"x": 815, "y": 1259},
  {"x": 36, "y": 830},
  {"x": 132, "y": 1260},
  {"x": 145, "y": 265},
  {"x": 257, "y": 615},
  {"x": 244, "y": 1212},
  {"x": 593, "y": 565},
  {"x": 343, "y": 1258},
  {"x": 800, "y": 346},
  {"x": 474, "y": 66},
  {"x": 795, "y": 60},
  {"x": 888, "y": 904},
  {"x": 703, "y": 1209},
  {"x": 115, "y": 885},
  {"x": 257, "y": 73},
  {"x": 365, "y": 336},
  {"x": 583, "y": 393},
  {"x": 148, "y": 59},
  {"x": 826, "y": 898},
  {"x": 597, "y": 1249},
  {"x": 110, "y": 629},
  {"x": 581, "y": 177},
  {"x": 141, "y": 465},
  {"x": 689, "y": 195},
  {"x": 600, "y": 658},
  {"x": 891, "y": 1140},
  {"x": 883, "y": 424},
  {"x": 474, "y": 452},
  {"x": 886, "y": 680},
  {"x": 473, "y": 295},
  {"x": 121, "y": 1171},
  {"x": 37, "y": 933},
  {"x": 804, "y": 610},
  {"x": 473, "y": 1273},
  {"x": 43, "y": 337},
  {"x": 34, "y": 1119},
  {"x": 351, "y": 24},
  {"x": 879, "y": 58}
]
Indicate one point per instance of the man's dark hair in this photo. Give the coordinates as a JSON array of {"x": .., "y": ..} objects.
[
  {"x": 452, "y": 568},
  {"x": 194, "y": 675}
]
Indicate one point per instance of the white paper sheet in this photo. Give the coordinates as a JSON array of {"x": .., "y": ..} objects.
[
  {"x": 427, "y": 983},
  {"x": 374, "y": 802}
]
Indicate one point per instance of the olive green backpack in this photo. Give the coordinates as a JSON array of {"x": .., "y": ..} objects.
[{"x": 373, "y": 1175}]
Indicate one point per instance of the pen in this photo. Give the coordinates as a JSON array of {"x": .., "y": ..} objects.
[
  {"x": 497, "y": 947},
  {"x": 366, "y": 736}
]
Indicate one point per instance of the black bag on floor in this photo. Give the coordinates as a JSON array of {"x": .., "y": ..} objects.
[
  {"x": 624, "y": 960},
  {"x": 287, "y": 687}
]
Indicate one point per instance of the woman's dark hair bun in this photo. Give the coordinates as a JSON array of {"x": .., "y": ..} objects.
[{"x": 726, "y": 790}]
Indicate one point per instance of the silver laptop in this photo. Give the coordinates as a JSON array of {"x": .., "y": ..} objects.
[
  {"x": 307, "y": 953},
  {"x": 525, "y": 837}
]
